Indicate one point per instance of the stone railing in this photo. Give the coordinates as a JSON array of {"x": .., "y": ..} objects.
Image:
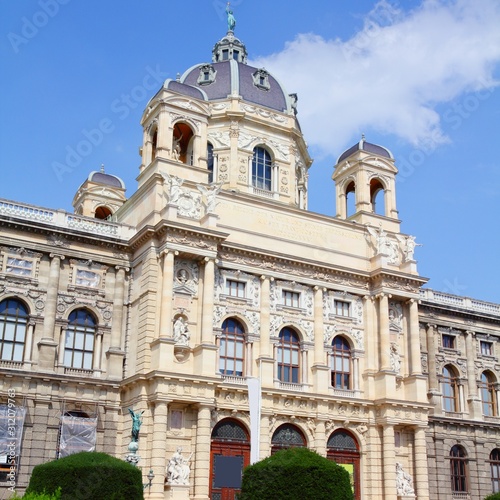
[
  {"x": 64, "y": 220},
  {"x": 460, "y": 302},
  {"x": 291, "y": 387},
  {"x": 230, "y": 379}
]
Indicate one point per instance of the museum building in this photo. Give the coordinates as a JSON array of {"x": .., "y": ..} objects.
[{"x": 232, "y": 322}]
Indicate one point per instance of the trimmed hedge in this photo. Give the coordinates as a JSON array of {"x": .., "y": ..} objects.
[
  {"x": 495, "y": 496},
  {"x": 88, "y": 476},
  {"x": 296, "y": 474}
]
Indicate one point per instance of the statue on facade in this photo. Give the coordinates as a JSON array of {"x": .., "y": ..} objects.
[
  {"x": 409, "y": 247},
  {"x": 231, "y": 21},
  {"x": 404, "y": 482},
  {"x": 178, "y": 468},
  {"x": 210, "y": 194},
  {"x": 176, "y": 147},
  {"x": 136, "y": 423},
  {"x": 181, "y": 333},
  {"x": 395, "y": 358},
  {"x": 174, "y": 187}
]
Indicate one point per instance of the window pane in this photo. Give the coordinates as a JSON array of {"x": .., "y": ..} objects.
[
  {"x": 18, "y": 352},
  {"x": 69, "y": 338},
  {"x": 77, "y": 359},
  {"x": 87, "y": 361},
  {"x": 239, "y": 350},
  {"x": 9, "y": 331},
  {"x": 7, "y": 351},
  {"x": 79, "y": 340}
]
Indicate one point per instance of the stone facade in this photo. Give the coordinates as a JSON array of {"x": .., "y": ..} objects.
[{"x": 238, "y": 322}]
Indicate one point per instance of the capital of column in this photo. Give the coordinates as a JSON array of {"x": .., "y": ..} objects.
[
  {"x": 56, "y": 256},
  {"x": 125, "y": 269}
]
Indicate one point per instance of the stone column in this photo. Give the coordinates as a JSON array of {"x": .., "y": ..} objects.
[
  {"x": 370, "y": 334},
  {"x": 115, "y": 353},
  {"x": 96, "y": 363},
  {"x": 158, "y": 456},
  {"x": 383, "y": 322},
  {"x": 320, "y": 438},
  {"x": 414, "y": 334},
  {"x": 389, "y": 459},
  {"x": 355, "y": 371},
  {"x": 167, "y": 292},
  {"x": 208, "y": 302},
  {"x": 30, "y": 331},
  {"x": 431, "y": 358},
  {"x": 265, "y": 326},
  {"x": 201, "y": 475},
  {"x": 265, "y": 438},
  {"x": 474, "y": 401},
  {"x": 319, "y": 328},
  {"x": 421, "y": 476},
  {"x": 47, "y": 346}
]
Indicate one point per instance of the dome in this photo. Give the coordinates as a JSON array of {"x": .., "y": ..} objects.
[
  {"x": 368, "y": 147},
  {"x": 229, "y": 74},
  {"x": 106, "y": 179}
]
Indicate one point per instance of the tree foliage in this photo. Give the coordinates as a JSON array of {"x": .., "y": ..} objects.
[
  {"x": 88, "y": 476},
  {"x": 296, "y": 474}
]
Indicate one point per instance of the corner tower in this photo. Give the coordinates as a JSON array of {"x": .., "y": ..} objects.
[{"x": 365, "y": 183}]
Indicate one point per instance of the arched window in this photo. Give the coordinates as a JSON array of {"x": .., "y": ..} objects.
[
  {"x": 182, "y": 143},
  {"x": 13, "y": 324},
  {"x": 350, "y": 199},
  {"x": 458, "y": 469},
  {"x": 287, "y": 436},
  {"x": 232, "y": 348},
  {"x": 495, "y": 470},
  {"x": 449, "y": 388},
  {"x": 261, "y": 169},
  {"x": 377, "y": 197},
  {"x": 154, "y": 144},
  {"x": 79, "y": 342},
  {"x": 102, "y": 212},
  {"x": 210, "y": 162},
  {"x": 288, "y": 356},
  {"x": 341, "y": 363},
  {"x": 488, "y": 394}
]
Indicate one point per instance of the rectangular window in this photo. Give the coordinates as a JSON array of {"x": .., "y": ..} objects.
[
  {"x": 342, "y": 308},
  {"x": 291, "y": 299},
  {"x": 448, "y": 341},
  {"x": 236, "y": 288},
  {"x": 87, "y": 278},
  {"x": 486, "y": 348},
  {"x": 21, "y": 267}
]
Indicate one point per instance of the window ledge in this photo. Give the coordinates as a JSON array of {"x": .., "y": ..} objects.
[
  {"x": 234, "y": 379},
  {"x": 453, "y": 414},
  {"x": 460, "y": 496},
  {"x": 344, "y": 393},
  {"x": 10, "y": 364},
  {"x": 289, "y": 386},
  {"x": 78, "y": 371}
]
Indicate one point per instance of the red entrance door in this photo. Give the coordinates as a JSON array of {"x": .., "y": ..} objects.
[{"x": 230, "y": 454}]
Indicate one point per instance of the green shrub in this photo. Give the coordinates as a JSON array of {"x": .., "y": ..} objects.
[
  {"x": 39, "y": 496},
  {"x": 88, "y": 476},
  {"x": 495, "y": 496},
  {"x": 296, "y": 474}
]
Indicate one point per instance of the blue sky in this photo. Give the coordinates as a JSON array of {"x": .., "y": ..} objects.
[{"x": 419, "y": 77}]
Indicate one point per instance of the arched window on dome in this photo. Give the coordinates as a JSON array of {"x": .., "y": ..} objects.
[
  {"x": 488, "y": 394},
  {"x": 154, "y": 144},
  {"x": 458, "y": 470},
  {"x": 80, "y": 340},
  {"x": 102, "y": 212},
  {"x": 288, "y": 351},
  {"x": 449, "y": 389},
  {"x": 232, "y": 348},
  {"x": 13, "y": 326},
  {"x": 210, "y": 162},
  {"x": 261, "y": 169},
  {"x": 377, "y": 197},
  {"x": 341, "y": 363},
  {"x": 350, "y": 199},
  {"x": 495, "y": 470},
  {"x": 182, "y": 143}
]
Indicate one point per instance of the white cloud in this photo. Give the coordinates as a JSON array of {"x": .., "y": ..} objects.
[{"x": 392, "y": 75}]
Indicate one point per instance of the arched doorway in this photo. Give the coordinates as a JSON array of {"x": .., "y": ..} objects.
[
  {"x": 343, "y": 448},
  {"x": 287, "y": 436},
  {"x": 229, "y": 455}
]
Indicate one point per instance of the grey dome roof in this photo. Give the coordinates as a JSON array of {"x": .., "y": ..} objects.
[
  {"x": 363, "y": 145},
  {"x": 229, "y": 74},
  {"x": 106, "y": 179}
]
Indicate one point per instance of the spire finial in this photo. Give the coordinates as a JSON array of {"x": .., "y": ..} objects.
[
  {"x": 102, "y": 167},
  {"x": 362, "y": 137}
]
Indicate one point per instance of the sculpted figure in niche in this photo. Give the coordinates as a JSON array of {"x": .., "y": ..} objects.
[
  {"x": 178, "y": 468},
  {"x": 182, "y": 276},
  {"x": 181, "y": 333},
  {"x": 395, "y": 358},
  {"x": 404, "y": 482},
  {"x": 176, "y": 148},
  {"x": 174, "y": 187}
]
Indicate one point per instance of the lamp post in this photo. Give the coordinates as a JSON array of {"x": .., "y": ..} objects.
[{"x": 150, "y": 477}]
